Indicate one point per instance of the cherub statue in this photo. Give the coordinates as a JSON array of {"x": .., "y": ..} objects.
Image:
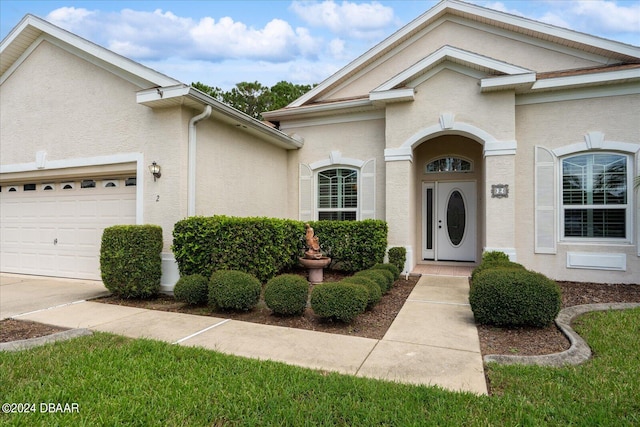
[{"x": 313, "y": 245}]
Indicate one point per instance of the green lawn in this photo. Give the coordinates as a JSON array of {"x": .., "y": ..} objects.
[{"x": 118, "y": 381}]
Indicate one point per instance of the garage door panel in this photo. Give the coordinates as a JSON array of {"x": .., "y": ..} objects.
[{"x": 58, "y": 232}]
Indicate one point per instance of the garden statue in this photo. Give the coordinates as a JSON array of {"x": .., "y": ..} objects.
[
  {"x": 313, "y": 259},
  {"x": 313, "y": 244}
]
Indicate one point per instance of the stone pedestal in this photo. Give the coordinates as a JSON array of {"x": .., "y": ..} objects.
[{"x": 315, "y": 268}]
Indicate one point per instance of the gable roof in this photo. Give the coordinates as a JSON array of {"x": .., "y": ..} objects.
[
  {"x": 31, "y": 31},
  {"x": 447, "y": 9}
]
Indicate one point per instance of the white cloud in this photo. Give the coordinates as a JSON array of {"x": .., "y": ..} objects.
[
  {"x": 68, "y": 16},
  {"x": 155, "y": 35},
  {"x": 361, "y": 20}
]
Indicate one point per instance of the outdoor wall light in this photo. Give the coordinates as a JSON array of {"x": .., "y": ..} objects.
[{"x": 154, "y": 168}]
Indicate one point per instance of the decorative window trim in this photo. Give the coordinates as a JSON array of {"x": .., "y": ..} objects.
[
  {"x": 68, "y": 185},
  {"x": 110, "y": 183},
  {"x": 336, "y": 159},
  {"x": 452, "y": 157},
  {"x": 49, "y": 186}
]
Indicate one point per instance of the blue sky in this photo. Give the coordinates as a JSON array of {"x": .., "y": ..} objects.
[{"x": 221, "y": 43}]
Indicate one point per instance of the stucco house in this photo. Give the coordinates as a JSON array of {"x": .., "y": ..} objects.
[{"x": 467, "y": 130}]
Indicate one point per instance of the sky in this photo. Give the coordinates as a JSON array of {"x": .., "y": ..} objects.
[{"x": 221, "y": 43}]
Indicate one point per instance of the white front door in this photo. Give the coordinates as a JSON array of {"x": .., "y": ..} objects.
[{"x": 449, "y": 221}]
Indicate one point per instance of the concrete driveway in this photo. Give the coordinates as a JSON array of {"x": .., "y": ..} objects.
[{"x": 21, "y": 294}]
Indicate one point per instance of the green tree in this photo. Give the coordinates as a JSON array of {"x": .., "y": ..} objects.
[
  {"x": 284, "y": 93},
  {"x": 255, "y": 98}
]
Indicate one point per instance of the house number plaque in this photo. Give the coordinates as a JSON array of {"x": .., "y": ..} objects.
[{"x": 500, "y": 190}]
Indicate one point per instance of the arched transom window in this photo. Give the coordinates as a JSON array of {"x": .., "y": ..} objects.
[
  {"x": 337, "y": 194},
  {"x": 449, "y": 164}
]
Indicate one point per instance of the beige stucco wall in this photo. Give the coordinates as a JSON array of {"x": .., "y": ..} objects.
[
  {"x": 73, "y": 110},
  {"x": 539, "y": 58},
  {"x": 239, "y": 175},
  {"x": 361, "y": 139},
  {"x": 451, "y": 92},
  {"x": 555, "y": 125}
]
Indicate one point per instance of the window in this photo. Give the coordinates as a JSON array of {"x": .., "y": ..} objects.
[
  {"x": 338, "y": 194},
  {"x": 448, "y": 164},
  {"x": 595, "y": 196}
]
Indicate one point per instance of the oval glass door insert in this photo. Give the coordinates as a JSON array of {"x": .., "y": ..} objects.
[{"x": 456, "y": 218}]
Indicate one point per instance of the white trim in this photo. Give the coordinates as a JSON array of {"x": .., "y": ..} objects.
[
  {"x": 597, "y": 261},
  {"x": 398, "y": 154},
  {"x": 578, "y": 93},
  {"x": 500, "y": 148},
  {"x": 605, "y": 77},
  {"x": 522, "y": 28},
  {"x": 138, "y": 158},
  {"x": 335, "y": 158},
  {"x": 138, "y": 74},
  {"x": 507, "y": 82},
  {"x": 453, "y": 54},
  {"x": 579, "y": 147},
  {"x": 394, "y": 95},
  {"x": 334, "y": 119},
  {"x": 170, "y": 272}
]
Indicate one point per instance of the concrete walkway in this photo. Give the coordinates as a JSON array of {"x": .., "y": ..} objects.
[{"x": 433, "y": 340}]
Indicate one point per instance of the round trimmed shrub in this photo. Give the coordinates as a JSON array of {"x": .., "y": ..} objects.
[
  {"x": 514, "y": 297},
  {"x": 340, "y": 301},
  {"x": 287, "y": 294},
  {"x": 233, "y": 290},
  {"x": 383, "y": 278},
  {"x": 390, "y": 267},
  {"x": 499, "y": 263},
  {"x": 375, "y": 293},
  {"x": 192, "y": 289}
]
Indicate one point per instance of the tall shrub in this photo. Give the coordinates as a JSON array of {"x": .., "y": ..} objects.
[
  {"x": 130, "y": 261},
  {"x": 398, "y": 257},
  {"x": 353, "y": 245},
  {"x": 262, "y": 247}
]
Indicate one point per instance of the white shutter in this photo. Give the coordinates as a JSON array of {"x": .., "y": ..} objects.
[
  {"x": 368, "y": 190},
  {"x": 305, "y": 208},
  {"x": 545, "y": 202}
]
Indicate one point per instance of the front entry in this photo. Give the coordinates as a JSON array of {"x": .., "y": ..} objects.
[{"x": 449, "y": 221}]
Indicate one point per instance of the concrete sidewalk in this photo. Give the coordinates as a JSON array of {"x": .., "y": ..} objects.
[{"x": 433, "y": 340}]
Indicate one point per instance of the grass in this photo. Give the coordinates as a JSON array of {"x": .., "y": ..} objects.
[{"x": 118, "y": 381}]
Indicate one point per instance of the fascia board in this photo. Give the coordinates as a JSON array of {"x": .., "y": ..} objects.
[
  {"x": 587, "y": 79},
  {"x": 372, "y": 53},
  {"x": 309, "y": 110},
  {"x": 453, "y": 54},
  {"x": 396, "y": 95},
  {"x": 90, "y": 50},
  {"x": 229, "y": 114},
  {"x": 506, "y": 82}
]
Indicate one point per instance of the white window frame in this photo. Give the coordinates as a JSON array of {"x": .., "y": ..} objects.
[
  {"x": 628, "y": 206},
  {"x": 318, "y": 209}
]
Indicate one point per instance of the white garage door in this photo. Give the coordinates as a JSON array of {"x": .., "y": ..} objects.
[{"x": 55, "y": 228}]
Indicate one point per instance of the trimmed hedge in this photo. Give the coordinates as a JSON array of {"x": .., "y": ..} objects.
[
  {"x": 265, "y": 247},
  {"x": 339, "y": 301},
  {"x": 353, "y": 245},
  {"x": 398, "y": 257},
  {"x": 375, "y": 293},
  {"x": 494, "y": 259},
  {"x": 287, "y": 294},
  {"x": 130, "y": 260},
  {"x": 233, "y": 290},
  {"x": 514, "y": 297},
  {"x": 192, "y": 289},
  {"x": 383, "y": 278},
  {"x": 390, "y": 267},
  {"x": 262, "y": 247}
]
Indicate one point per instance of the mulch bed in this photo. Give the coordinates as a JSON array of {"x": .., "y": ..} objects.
[{"x": 374, "y": 323}]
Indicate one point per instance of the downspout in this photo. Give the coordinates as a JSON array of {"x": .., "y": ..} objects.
[{"x": 191, "y": 174}]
